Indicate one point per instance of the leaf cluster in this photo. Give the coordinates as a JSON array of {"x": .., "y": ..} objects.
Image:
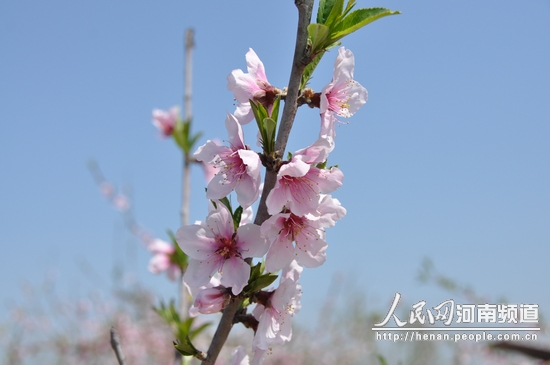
[
  {"x": 236, "y": 215},
  {"x": 182, "y": 136},
  {"x": 258, "y": 280},
  {"x": 267, "y": 123},
  {"x": 178, "y": 257},
  {"x": 334, "y": 22},
  {"x": 182, "y": 328}
]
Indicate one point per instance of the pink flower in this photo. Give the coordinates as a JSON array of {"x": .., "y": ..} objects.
[
  {"x": 211, "y": 300},
  {"x": 106, "y": 189},
  {"x": 327, "y": 125},
  {"x": 343, "y": 95},
  {"x": 165, "y": 121},
  {"x": 121, "y": 203},
  {"x": 195, "y": 291},
  {"x": 307, "y": 232},
  {"x": 284, "y": 228},
  {"x": 214, "y": 246},
  {"x": 299, "y": 183},
  {"x": 250, "y": 86},
  {"x": 239, "y": 167},
  {"x": 209, "y": 170},
  {"x": 239, "y": 356},
  {"x": 274, "y": 318},
  {"x": 162, "y": 260}
]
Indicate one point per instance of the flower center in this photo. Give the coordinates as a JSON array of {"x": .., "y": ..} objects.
[{"x": 227, "y": 248}]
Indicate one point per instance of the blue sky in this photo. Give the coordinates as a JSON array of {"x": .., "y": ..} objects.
[{"x": 449, "y": 159}]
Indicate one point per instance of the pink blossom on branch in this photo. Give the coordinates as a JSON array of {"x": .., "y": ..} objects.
[
  {"x": 162, "y": 259},
  {"x": 307, "y": 232},
  {"x": 282, "y": 230},
  {"x": 239, "y": 357},
  {"x": 214, "y": 246},
  {"x": 251, "y": 86},
  {"x": 343, "y": 95},
  {"x": 210, "y": 300},
  {"x": 275, "y": 316},
  {"x": 300, "y": 183},
  {"x": 239, "y": 167},
  {"x": 165, "y": 121}
]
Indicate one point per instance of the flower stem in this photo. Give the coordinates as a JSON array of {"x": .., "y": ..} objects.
[{"x": 222, "y": 332}]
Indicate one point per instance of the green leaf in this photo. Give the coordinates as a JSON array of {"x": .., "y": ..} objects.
[
  {"x": 193, "y": 140},
  {"x": 256, "y": 271},
  {"x": 318, "y": 34},
  {"x": 270, "y": 125},
  {"x": 185, "y": 347},
  {"x": 325, "y": 6},
  {"x": 225, "y": 202},
  {"x": 237, "y": 217},
  {"x": 335, "y": 13},
  {"x": 308, "y": 72},
  {"x": 260, "y": 113},
  {"x": 179, "y": 134},
  {"x": 358, "y": 19},
  {"x": 169, "y": 314},
  {"x": 178, "y": 256},
  {"x": 382, "y": 360},
  {"x": 275, "y": 109},
  {"x": 260, "y": 283},
  {"x": 198, "y": 330},
  {"x": 349, "y": 7}
]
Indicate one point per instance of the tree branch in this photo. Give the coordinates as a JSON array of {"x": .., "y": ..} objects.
[
  {"x": 115, "y": 344},
  {"x": 222, "y": 332},
  {"x": 299, "y": 63}
]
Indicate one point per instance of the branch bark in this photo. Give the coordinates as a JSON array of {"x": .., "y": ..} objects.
[
  {"x": 115, "y": 344},
  {"x": 189, "y": 43}
]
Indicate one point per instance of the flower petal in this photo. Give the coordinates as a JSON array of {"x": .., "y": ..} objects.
[
  {"x": 250, "y": 241},
  {"x": 255, "y": 66},
  {"x": 193, "y": 240},
  {"x": 199, "y": 273},
  {"x": 235, "y": 274},
  {"x": 281, "y": 254}
]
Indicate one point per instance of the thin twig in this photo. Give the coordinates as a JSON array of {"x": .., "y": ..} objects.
[
  {"x": 189, "y": 43},
  {"x": 115, "y": 344},
  {"x": 186, "y": 182},
  {"x": 187, "y": 159}
]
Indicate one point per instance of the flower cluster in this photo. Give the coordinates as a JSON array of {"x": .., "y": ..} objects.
[{"x": 222, "y": 248}]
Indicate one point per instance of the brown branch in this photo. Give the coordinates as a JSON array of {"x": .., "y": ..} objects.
[
  {"x": 299, "y": 63},
  {"x": 115, "y": 344},
  {"x": 222, "y": 332},
  {"x": 537, "y": 353}
]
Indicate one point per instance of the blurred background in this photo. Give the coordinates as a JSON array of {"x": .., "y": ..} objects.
[{"x": 448, "y": 160}]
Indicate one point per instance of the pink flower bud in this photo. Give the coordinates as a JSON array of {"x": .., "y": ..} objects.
[
  {"x": 211, "y": 300},
  {"x": 165, "y": 121}
]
